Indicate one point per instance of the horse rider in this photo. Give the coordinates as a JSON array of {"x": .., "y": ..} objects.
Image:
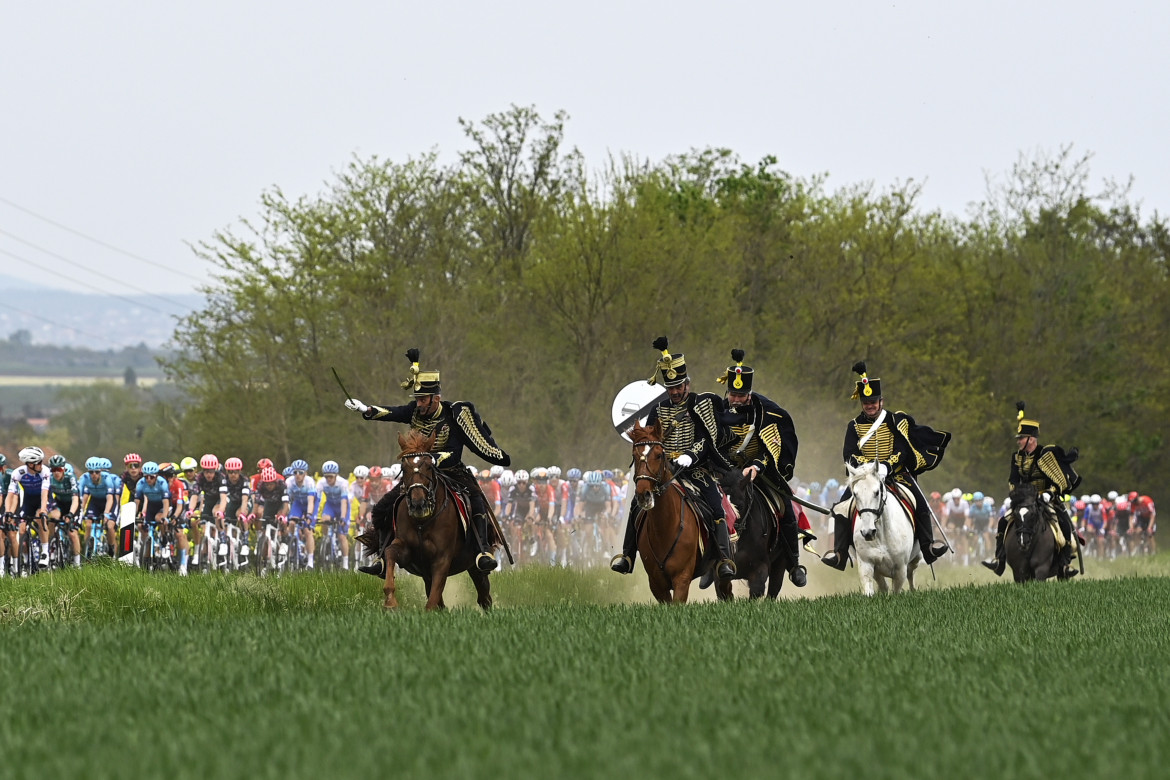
[
  {"x": 690, "y": 433},
  {"x": 763, "y": 446},
  {"x": 903, "y": 449},
  {"x": 1049, "y": 469},
  {"x": 455, "y": 425}
]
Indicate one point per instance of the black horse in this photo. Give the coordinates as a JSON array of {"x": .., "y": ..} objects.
[
  {"x": 1030, "y": 546},
  {"x": 763, "y": 554}
]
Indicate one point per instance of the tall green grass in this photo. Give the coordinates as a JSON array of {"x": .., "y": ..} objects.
[{"x": 306, "y": 676}]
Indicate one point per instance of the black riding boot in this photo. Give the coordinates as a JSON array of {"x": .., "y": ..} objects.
[
  {"x": 790, "y": 538},
  {"x": 624, "y": 563},
  {"x": 924, "y": 527},
  {"x": 842, "y": 538},
  {"x": 380, "y": 534},
  {"x": 1066, "y": 552},
  {"x": 725, "y": 569},
  {"x": 486, "y": 559},
  {"x": 998, "y": 563}
]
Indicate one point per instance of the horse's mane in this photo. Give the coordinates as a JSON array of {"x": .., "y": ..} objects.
[{"x": 414, "y": 443}]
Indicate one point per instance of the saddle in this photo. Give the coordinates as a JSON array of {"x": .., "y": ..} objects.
[
  {"x": 1053, "y": 523},
  {"x": 690, "y": 493},
  {"x": 897, "y": 491}
]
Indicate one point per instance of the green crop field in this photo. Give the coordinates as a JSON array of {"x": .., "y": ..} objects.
[{"x": 115, "y": 673}]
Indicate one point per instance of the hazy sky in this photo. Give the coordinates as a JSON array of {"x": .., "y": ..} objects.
[{"x": 150, "y": 124}]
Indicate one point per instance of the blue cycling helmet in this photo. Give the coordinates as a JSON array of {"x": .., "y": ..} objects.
[
  {"x": 69, "y": 469},
  {"x": 607, "y": 474},
  {"x": 978, "y": 496},
  {"x": 288, "y": 471},
  {"x": 815, "y": 487},
  {"x": 574, "y": 474},
  {"x": 93, "y": 464},
  {"x": 299, "y": 465},
  {"x": 832, "y": 483},
  {"x": 330, "y": 467},
  {"x": 107, "y": 464},
  {"x": 150, "y": 467}
]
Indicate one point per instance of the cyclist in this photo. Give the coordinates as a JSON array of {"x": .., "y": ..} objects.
[
  {"x": 357, "y": 495},
  {"x": 99, "y": 491},
  {"x": 272, "y": 495},
  {"x": 209, "y": 499},
  {"x": 376, "y": 487},
  {"x": 152, "y": 500},
  {"x": 178, "y": 516},
  {"x": 239, "y": 504},
  {"x": 62, "y": 508},
  {"x": 5, "y": 478},
  {"x": 28, "y": 495},
  {"x": 302, "y": 494},
  {"x": 334, "y": 492},
  {"x": 130, "y": 477}
]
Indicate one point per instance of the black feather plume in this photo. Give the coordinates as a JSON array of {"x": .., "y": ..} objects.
[
  {"x": 660, "y": 343},
  {"x": 859, "y": 367},
  {"x": 1019, "y": 406},
  {"x": 737, "y": 355},
  {"x": 412, "y": 354}
]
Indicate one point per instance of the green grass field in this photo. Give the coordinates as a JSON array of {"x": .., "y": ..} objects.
[{"x": 113, "y": 673}]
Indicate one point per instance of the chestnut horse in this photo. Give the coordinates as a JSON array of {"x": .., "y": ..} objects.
[
  {"x": 430, "y": 541},
  {"x": 668, "y": 539}
]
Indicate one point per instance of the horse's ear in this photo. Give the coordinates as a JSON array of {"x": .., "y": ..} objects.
[
  {"x": 638, "y": 425},
  {"x": 401, "y": 442}
]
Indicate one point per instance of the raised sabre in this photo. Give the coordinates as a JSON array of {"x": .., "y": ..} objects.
[{"x": 348, "y": 397}]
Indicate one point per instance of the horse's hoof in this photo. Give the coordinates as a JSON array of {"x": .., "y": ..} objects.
[
  {"x": 390, "y": 607},
  {"x": 798, "y": 576}
]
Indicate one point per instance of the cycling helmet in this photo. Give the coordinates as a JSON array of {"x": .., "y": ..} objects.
[
  {"x": 507, "y": 479},
  {"x": 574, "y": 474},
  {"x": 815, "y": 487},
  {"x": 485, "y": 474},
  {"x": 832, "y": 483},
  {"x": 607, "y": 474},
  {"x": 1133, "y": 494},
  {"x": 1080, "y": 505},
  {"x": 268, "y": 474},
  {"x": 1122, "y": 504},
  {"x": 288, "y": 471},
  {"x": 1112, "y": 495},
  {"x": 93, "y": 464},
  {"x": 594, "y": 478},
  {"x": 57, "y": 462},
  {"x": 1086, "y": 498},
  {"x": 132, "y": 457},
  {"x": 209, "y": 462},
  {"x": 554, "y": 472},
  {"x": 988, "y": 501},
  {"x": 107, "y": 464},
  {"x": 3, "y": 460},
  {"x": 540, "y": 473},
  {"x": 1096, "y": 498},
  {"x": 497, "y": 471},
  {"x": 330, "y": 467},
  {"x": 300, "y": 465},
  {"x": 69, "y": 469},
  {"x": 521, "y": 476},
  {"x": 375, "y": 472},
  {"x": 149, "y": 468},
  {"x": 188, "y": 464},
  {"x": 936, "y": 495},
  {"x": 956, "y": 493},
  {"x": 233, "y": 464},
  {"x": 978, "y": 496},
  {"x": 361, "y": 472},
  {"x": 31, "y": 455},
  {"x": 393, "y": 471},
  {"x": 166, "y": 469},
  {"x": 263, "y": 463}
]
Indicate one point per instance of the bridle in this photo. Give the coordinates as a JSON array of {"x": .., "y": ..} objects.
[
  {"x": 883, "y": 493},
  {"x": 427, "y": 486},
  {"x": 660, "y": 481}
]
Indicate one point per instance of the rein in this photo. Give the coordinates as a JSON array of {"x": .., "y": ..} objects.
[
  {"x": 660, "y": 481},
  {"x": 428, "y": 487}
]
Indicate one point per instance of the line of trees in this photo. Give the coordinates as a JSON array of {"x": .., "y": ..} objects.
[{"x": 536, "y": 285}]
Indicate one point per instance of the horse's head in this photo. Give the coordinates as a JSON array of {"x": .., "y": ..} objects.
[
  {"x": 418, "y": 473},
  {"x": 1025, "y": 506},
  {"x": 869, "y": 496},
  {"x": 651, "y": 469}
]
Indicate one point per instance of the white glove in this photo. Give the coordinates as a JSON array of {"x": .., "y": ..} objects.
[
  {"x": 883, "y": 471},
  {"x": 1047, "y": 497},
  {"x": 355, "y": 404},
  {"x": 684, "y": 460}
]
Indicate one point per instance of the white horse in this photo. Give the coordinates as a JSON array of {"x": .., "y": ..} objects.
[{"x": 883, "y": 534}]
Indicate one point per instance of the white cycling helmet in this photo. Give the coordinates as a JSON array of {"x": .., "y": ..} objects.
[
  {"x": 31, "y": 455},
  {"x": 554, "y": 472},
  {"x": 1096, "y": 498},
  {"x": 521, "y": 476},
  {"x": 507, "y": 479},
  {"x": 956, "y": 493},
  {"x": 394, "y": 472},
  {"x": 1112, "y": 495},
  {"x": 496, "y": 471},
  {"x": 361, "y": 472}
]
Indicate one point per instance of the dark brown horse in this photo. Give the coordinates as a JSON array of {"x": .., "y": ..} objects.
[
  {"x": 430, "y": 540},
  {"x": 668, "y": 539},
  {"x": 762, "y": 555},
  {"x": 1029, "y": 546}
]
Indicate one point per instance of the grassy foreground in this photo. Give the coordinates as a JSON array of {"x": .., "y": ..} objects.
[{"x": 112, "y": 673}]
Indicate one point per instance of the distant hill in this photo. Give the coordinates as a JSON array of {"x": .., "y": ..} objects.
[{"x": 99, "y": 322}]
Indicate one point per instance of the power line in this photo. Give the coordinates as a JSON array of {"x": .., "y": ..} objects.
[
  {"x": 86, "y": 335},
  {"x": 98, "y": 241},
  {"x": 75, "y": 264},
  {"x": 112, "y": 295}
]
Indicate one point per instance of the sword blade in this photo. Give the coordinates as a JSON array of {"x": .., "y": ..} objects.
[{"x": 335, "y": 376}]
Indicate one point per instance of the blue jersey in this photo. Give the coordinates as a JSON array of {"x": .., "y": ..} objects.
[
  {"x": 106, "y": 484},
  {"x": 334, "y": 497},
  {"x": 29, "y": 484},
  {"x": 152, "y": 494},
  {"x": 298, "y": 495}
]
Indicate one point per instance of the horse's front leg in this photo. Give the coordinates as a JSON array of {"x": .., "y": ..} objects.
[
  {"x": 483, "y": 588},
  {"x": 438, "y": 581},
  {"x": 391, "y": 586},
  {"x": 865, "y": 571}
]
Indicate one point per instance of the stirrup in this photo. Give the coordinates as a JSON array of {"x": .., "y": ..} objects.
[
  {"x": 485, "y": 561},
  {"x": 833, "y": 559},
  {"x": 377, "y": 568},
  {"x": 798, "y": 576},
  {"x": 938, "y": 549},
  {"x": 725, "y": 570},
  {"x": 622, "y": 564}
]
